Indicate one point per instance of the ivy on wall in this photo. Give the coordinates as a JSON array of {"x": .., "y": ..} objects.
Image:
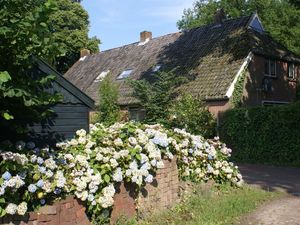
[{"x": 237, "y": 95}]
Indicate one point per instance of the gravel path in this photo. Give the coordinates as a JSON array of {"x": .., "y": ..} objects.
[{"x": 283, "y": 211}]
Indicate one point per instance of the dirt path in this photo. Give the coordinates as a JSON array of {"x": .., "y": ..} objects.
[{"x": 284, "y": 211}]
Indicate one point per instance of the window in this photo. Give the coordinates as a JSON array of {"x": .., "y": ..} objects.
[
  {"x": 270, "y": 68},
  {"x": 101, "y": 76},
  {"x": 124, "y": 74},
  {"x": 136, "y": 114},
  {"x": 156, "y": 68},
  {"x": 291, "y": 72}
]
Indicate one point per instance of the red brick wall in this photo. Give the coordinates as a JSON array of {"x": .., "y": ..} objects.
[
  {"x": 66, "y": 212},
  {"x": 283, "y": 88},
  {"x": 160, "y": 194}
]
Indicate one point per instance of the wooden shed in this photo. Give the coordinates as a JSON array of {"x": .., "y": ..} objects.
[{"x": 70, "y": 115}]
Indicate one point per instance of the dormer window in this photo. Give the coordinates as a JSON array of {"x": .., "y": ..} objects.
[
  {"x": 270, "y": 68},
  {"x": 101, "y": 76},
  {"x": 291, "y": 72},
  {"x": 124, "y": 74},
  {"x": 156, "y": 68}
]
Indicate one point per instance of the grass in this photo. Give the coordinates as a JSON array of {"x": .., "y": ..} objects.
[{"x": 221, "y": 206}]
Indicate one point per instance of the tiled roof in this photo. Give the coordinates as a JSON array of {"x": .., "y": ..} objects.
[{"x": 212, "y": 54}]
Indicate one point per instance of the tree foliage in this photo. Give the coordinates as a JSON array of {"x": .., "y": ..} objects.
[
  {"x": 190, "y": 113},
  {"x": 23, "y": 33},
  {"x": 156, "y": 95},
  {"x": 281, "y": 18},
  {"x": 69, "y": 26},
  {"x": 108, "y": 108}
]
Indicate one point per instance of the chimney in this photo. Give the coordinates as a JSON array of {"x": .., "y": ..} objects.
[
  {"x": 84, "y": 52},
  {"x": 145, "y": 36},
  {"x": 220, "y": 16}
]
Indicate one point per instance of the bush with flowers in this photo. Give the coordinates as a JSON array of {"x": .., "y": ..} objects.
[{"x": 90, "y": 165}]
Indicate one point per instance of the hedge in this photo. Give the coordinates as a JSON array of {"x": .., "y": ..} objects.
[{"x": 268, "y": 135}]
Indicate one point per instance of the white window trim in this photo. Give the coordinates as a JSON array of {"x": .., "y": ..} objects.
[
  {"x": 122, "y": 78},
  {"x": 244, "y": 65},
  {"x": 269, "y": 64}
]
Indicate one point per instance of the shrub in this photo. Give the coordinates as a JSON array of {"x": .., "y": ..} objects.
[
  {"x": 108, "y": 108},
  {"x": 157, "y": 94},
  {"x": 190, "y": 113},
  {"x": 264, "y": 134},
  {"x": 89, "y": 165}
]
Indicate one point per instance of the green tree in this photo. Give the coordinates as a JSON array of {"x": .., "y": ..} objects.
[
  {"x": 157, "y": 94},
  {"x": 190, "y": 113},
  {"x": 108, "y": 108},
  {"x": 23, "y": 33},
  {"x": 281, "y": 18},
  {"x": 69, "y": 26}
]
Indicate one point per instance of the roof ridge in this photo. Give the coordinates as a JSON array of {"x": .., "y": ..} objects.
[{"x": 161, "y": 36}]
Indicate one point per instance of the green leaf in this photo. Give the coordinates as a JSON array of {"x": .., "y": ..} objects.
[
  {"x": 106, "y": 178},
  {"x": 2, "y": 200},
  {"x": 7, "y": 116},
  {"x": 4, "y": 77},
  {"x": 2, "y": 212}
]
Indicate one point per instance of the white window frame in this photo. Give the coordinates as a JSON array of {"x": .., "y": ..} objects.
[
  {"x": 269, "y": 68},
  {"x": 126, "y": 73},
  {"x": 156, "y": 68},
  {"x": 291, "y": 71},
  {"x": 101, "y": 76}
]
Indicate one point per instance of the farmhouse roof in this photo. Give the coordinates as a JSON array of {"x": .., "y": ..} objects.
[{"x": 212, "y": 54}]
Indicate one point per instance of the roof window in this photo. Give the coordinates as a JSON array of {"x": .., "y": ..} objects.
[
  {"x": 101, "y": 76},
  {"x": 156, "y": 68},
  {"x": 125, "y": 74}
]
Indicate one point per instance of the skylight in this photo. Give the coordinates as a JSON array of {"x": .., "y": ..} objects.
[
  {"x": 124, "y": 74},
  {"x": 101, "y": 76},
  {"x": 156, "y": 68}
]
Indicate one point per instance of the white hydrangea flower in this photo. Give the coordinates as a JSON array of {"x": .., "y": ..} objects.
[
  {"x": 11, "y": 209},
  {"x": 22, "y": 208},
  {"x": 81, "y": 133}
]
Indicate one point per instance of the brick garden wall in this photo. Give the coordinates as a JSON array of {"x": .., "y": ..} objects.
[
  {"x": 162, "y": 193},
  {"x": 66, "y": 212}
]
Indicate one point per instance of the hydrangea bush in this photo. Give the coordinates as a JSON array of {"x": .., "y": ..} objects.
[{"x": 90, "y": 165}]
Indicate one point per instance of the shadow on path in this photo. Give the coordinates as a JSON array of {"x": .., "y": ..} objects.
[{"x": 272, "y": 178}]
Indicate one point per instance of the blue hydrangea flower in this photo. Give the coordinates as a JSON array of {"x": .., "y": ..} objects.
[
  {"x": 22, "y": 174},
  {"x": 57, "y": 191},
  {"x": 32, "y": 188},
  {"x": 40, "y": 160},
  {"x": 6, "y": 175},
  {"x": 2, "y": 191},
  {"x": 40, "y": 183},
  {"x": 42, "y": 169},
  {"x": 91, "y": 198},
  {"x": 43, "y": 201},
  {"x": 36, "y": 150}
]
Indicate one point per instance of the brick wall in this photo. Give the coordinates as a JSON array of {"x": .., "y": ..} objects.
[
  {"x": 283, "y": 89},
  {"x": 160, "y": 194},
  {"x": 66, "y": 212}
]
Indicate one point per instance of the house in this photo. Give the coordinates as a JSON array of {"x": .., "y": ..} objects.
[
  {"x": 220, "y": 57},
  {"x": 69, "y": 115}
]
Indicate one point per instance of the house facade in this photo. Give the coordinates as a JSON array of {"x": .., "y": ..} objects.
[{"x": 229, "y": 61}]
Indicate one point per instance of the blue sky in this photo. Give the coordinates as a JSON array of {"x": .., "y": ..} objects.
[{"x": 119, "y": 22}]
